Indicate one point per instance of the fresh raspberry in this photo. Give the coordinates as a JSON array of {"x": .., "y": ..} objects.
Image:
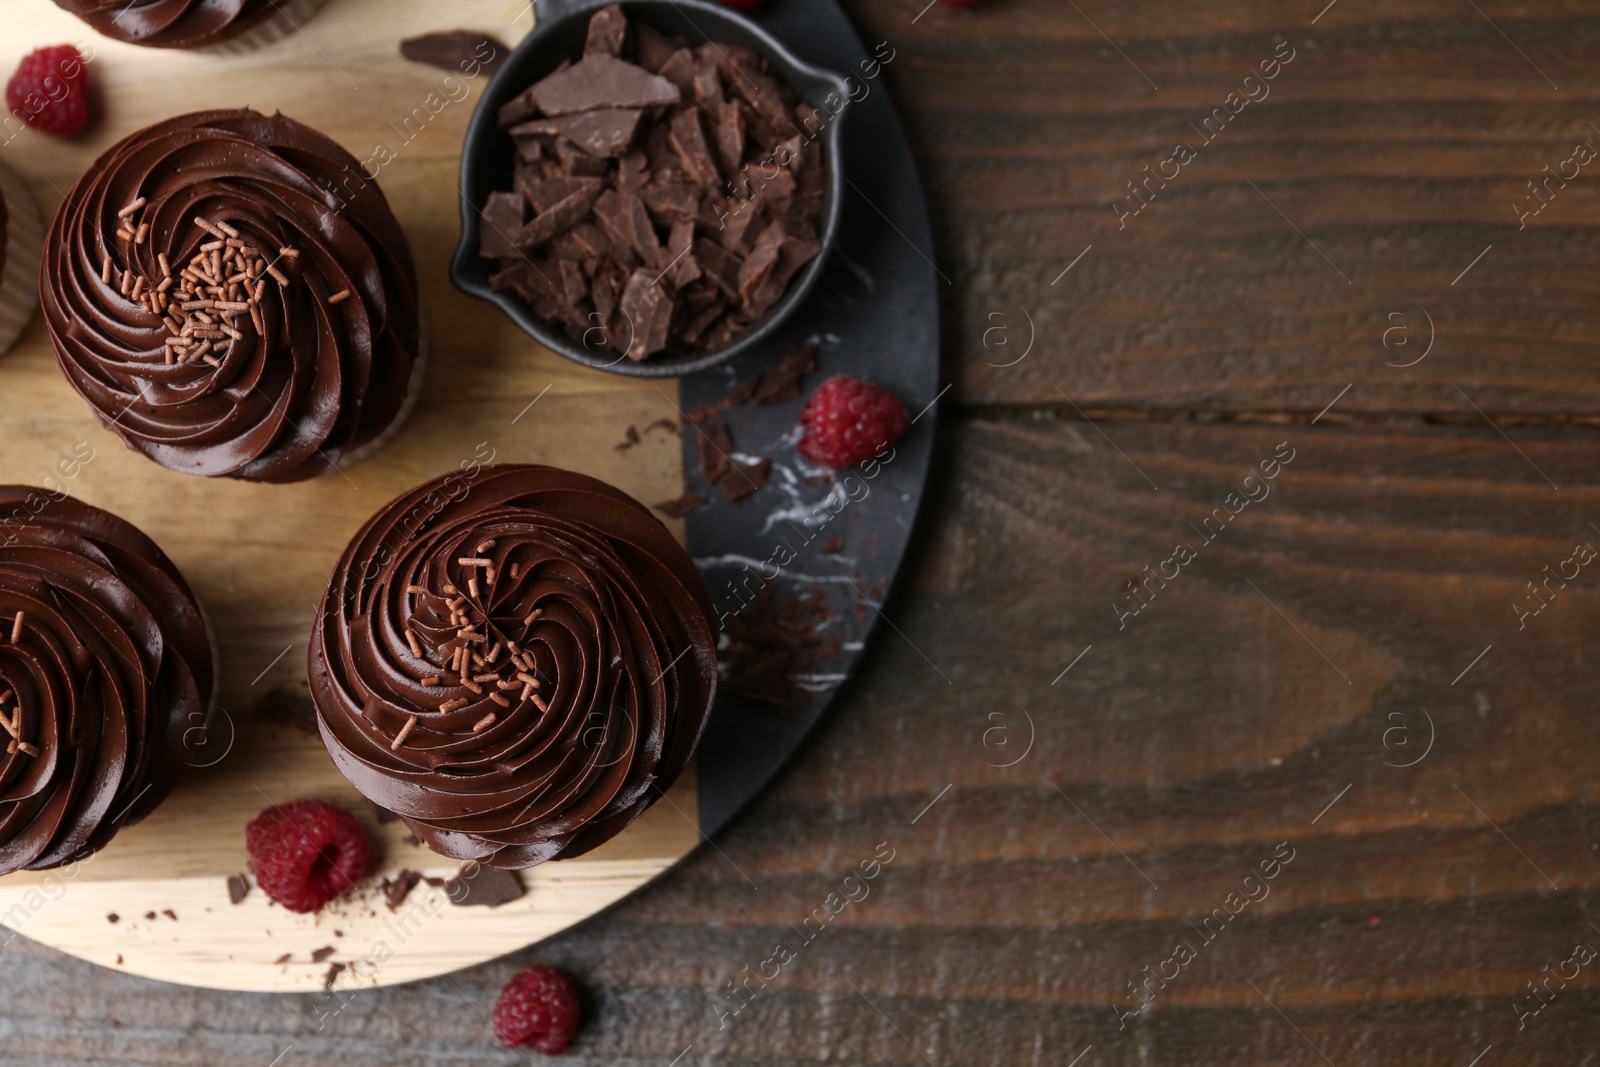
[
  {"x": 48, "y": 90},
  {"x": 537, "y": 1009},
  {"x": 306, "y": 853},
  {"x": 848, "y": 420}
]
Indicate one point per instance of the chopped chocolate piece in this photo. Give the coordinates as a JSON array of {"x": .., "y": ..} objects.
[
  {"x": 503, "y": 216},
  {"x": 562, "y": 216},
  {"x": 651, "y": 49},
  {"x": 681, "y": 506},
  {"x": 600, "y": 133},
  {"x": 721, "y": 268},
  {"x": 730, "y": 135},
  {"x": 627, "y": 222},
  {"x": 578, "y": 163},
  {"x": 288, "y": 708},
  {"x": 742, "y": 228},
  {"x": 783, "y": 382},
  {"x": 602, "y": 81},
  {"x": 522, "y": 107},
  {"x": 482, "y": 886},
  {"x": 150, "y": 916},
  {"x": 707, "y": 86},
  {"x": 715, "y": 445},
  {"x": 433, "y": 880},
  {"x": 689, "y": 141},
  {"x": 396, "y": 889},
  {"x": 544, "y": 194},
  {"x": 680, "y": 247},
  {"x": 574, "y": 286},
  {"x": 795, "y": 254},
  {"x": 456, "y": 50},
  {"x": 832, "y": 546},
  {"x": 648, "y": 307},
  {"x": 238, "y": 888},
  {"x": 743, "y": 481},
  {"x": 322, "y": 953},
  {"x": 608, "y": 32},
  {"x": 589, "y": 238},
  {"x": 634, "y": 171},
  {"x": 672, "y": 201},
  {"x": 334, "y": 970},
  {"x": 679, "y": 69}
]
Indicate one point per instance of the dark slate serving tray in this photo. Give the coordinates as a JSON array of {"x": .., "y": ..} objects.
[{"x": 874, "y": 314}]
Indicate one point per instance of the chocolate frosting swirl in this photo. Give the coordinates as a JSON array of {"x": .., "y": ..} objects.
[
  {"x": 170, "y": 23},
  {"x": 315, "y": 377},
  {"x": 568, "y": 582},
  {"x": 109, "y": 676}
]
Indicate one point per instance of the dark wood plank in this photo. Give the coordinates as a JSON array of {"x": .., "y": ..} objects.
[
  {"x": 1170, "y": 760},
  {"x": 1396, "y": 140}
]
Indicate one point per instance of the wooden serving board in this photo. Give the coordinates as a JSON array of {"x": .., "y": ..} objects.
[{"x": 258, "y": 556}]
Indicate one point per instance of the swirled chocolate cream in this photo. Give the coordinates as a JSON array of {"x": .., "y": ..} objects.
[
  {"x": 201, "y": 24},
  {"x": 234, "y": 298},
  {"x": 517, "y": 663},
  {"x": 106, "y": 674}
]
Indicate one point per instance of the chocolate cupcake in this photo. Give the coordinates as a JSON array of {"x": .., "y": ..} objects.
[
  {"x": 21, "y": 234},
  {"x": 106, "y": 677},
  {"x": 234, "y": 297},
  {"x": 221, "y": 26},
  {"x": 517, "y": 661}
]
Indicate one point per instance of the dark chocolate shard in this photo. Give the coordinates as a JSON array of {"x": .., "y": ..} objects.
[
  {"x": 328, "y": 980},
  {"x": 746, "y": 480},
  {"x": 579, "y": 164},
  {"x": 651, "y": 49},
  {"x": 602, "y": 81},
  {"x": 627, "y": 222},
  {"x": 238, "y": 888},
  {"x": 684, "y": 271},
  {"x": 729, "y": 135},
  {"x": 606, "y": 132},
  {"x": 679, "y": 69},
  {"x": 706, "y": 86},
  {"x": 608, "y": 32},
  {"x": 559, "y": 218},
  {"x": 673, "y": 201},
  {"x": 783, "y": 382},
  {"x": 503, "y": 216},
  {"x": 689, "y": 141},
  {"x": 545, "y": 193},
  {"x": 648, "y": 309},
  {"x": 679, "y": 507},
  {"x": 396, "y": 889},
  {"x": 479, "y": 886},
  {"x": 456, "y": 50},
  {"x": 322, "y": 953},
  {"x": 714, "y": 444}
]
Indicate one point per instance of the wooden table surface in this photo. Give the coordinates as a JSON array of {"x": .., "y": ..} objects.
[{"x": 1347, "y": 681}]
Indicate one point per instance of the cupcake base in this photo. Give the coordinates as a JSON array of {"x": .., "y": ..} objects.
[
  {"x": 24, "y": 236},
  {"x": 290, "y": 16},
  {"x": 419, "y": 371}
]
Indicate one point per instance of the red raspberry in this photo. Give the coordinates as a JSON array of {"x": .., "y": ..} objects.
[
  {"x": 48, "y": 90},
  {"x": 848, "y": 420},
  {"x": 306, "y": 853},
  {"x": 537, "y": 1009}
]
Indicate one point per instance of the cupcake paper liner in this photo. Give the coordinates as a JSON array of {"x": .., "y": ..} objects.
[{"x": 24, "y": 237}]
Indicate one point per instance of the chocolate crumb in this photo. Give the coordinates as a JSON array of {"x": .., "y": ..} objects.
[
  {"x": 680, "y": 506},
  {"x": 455, "y": 50},
  {"x": 396, "y": 889},
  {"x": 169, "y": 913},
  {"x": 322, "y": 953},
  {"x": 119, "y": 959},
  {"x": 285, "y": 958},
  {"x": 832, "y": 546},
  {"x": 238, "y": 888},
  {"x": 112, "y": 917},
  {"x": 334, "y": 970},
  {"x": 478, "y": 885},
  {"x": 150, "y": 916}
]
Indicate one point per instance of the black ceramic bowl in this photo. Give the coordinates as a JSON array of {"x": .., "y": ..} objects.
[{"x": 487, "y": 161}]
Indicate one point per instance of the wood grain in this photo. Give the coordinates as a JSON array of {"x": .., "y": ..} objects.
[
  {"x": 1396, "y": 142},
  {"x": 258, "y": 556}
]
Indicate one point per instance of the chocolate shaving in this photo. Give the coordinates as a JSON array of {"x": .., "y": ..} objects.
[
  {"x": 455, "y": 50},
  {"x": 679, "y": 507},
  {"x": 396, "y": 889},
  {"x": 478, "y": 885}
]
